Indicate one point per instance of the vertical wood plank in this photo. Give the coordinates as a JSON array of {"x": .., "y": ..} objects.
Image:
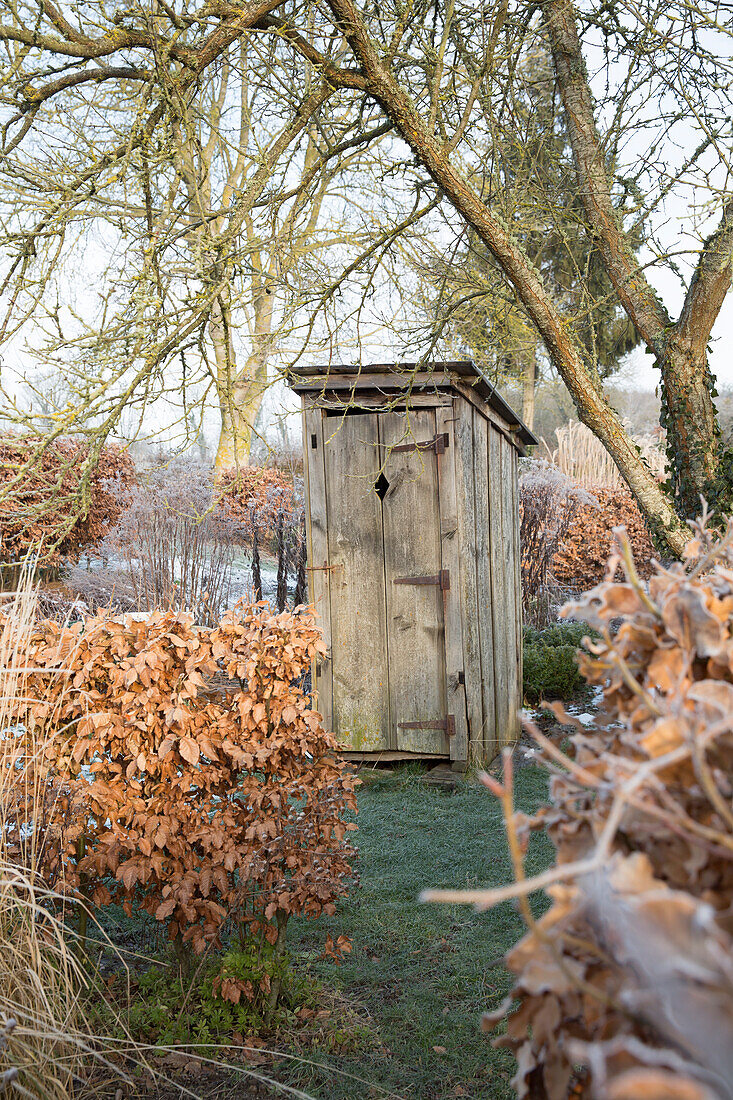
[
  {"x": 355, "y": 554},
  {"x": 412, "y": 548},
  {"x": 514, "y": 621},
  {"x": 468, "y": 582},
  {"x": 500, "y": 580},
  {"x": 317, "y": 536},
  {"x": 484, "y": 582},
  {"x": 451, "y": 560},
  {"x": 517, "y": 590}
]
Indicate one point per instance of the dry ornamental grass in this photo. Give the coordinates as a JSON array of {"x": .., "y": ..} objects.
[
  {"x": 581, "y": 455},
  {"x": 40, "y": 977}
]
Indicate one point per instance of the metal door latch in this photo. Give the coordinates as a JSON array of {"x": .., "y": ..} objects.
[
  {"x": 438, "y": 444},
  {"x": 441, "y": 579},
  {"x": 448, "y": 724}
]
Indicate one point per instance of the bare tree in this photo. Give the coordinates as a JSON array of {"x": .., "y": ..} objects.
[
  {"x": 438, "y": 73},
  {"x": 209, "y": 185},
  {"x": 83, "y": 176},
  {"x": 444, "y": 78},
  {"x": 464, "y": 296},
  {"x": 280, "y": 233}
]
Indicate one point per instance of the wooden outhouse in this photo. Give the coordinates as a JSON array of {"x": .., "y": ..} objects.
[{"x": 413, "y": 557}]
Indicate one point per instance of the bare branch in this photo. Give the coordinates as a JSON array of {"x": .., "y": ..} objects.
[
  {"x": 708, "y": 287},
  {"x": 634, "y": 291}
]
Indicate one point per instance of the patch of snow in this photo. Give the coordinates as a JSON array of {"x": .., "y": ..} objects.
[{"x": 240, "y": 576}]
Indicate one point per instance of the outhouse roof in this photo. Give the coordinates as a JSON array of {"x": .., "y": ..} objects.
[{"x": 391, "y": 378}]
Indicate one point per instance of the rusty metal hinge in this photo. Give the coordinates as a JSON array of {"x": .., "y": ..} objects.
[
  {"x": 437, "y": 444},
  {"x": 441, "y": 579},
  {"x": 325, "y": 568},
  {"x": 448, "y": 724}
]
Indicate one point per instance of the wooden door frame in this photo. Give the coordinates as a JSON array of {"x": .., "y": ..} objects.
[
  {"x": 319, "y": 579},
  {"x": 448, "y": 504}
]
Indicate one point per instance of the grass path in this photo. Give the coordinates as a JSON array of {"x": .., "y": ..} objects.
[{"x": 421, "y": 974}]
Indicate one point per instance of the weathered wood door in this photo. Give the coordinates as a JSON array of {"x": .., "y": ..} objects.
[
  {"x": 412, "y": 554},
  {"x": 354, "y": 552},
  {"x": 381, "y": 540}
]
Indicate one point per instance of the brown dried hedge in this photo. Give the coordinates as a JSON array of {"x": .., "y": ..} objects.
[
  {"x": 585, "y": 548},
  {"x": 255, "y": 495},
  {"x": 625, "y": 986},
  {"x": 37, "y": 512},
  {"x": 205, "y": 809}
]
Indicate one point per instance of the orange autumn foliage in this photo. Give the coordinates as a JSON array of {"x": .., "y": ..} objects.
[{"x": 201, "y": 806}]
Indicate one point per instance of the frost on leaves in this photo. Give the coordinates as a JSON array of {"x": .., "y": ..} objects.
[
  {"x": 625, "y": 985},
  {"x": 630, "y": 972}
]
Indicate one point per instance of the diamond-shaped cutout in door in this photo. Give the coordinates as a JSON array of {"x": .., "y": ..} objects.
[{"x": 381, "y": 485}]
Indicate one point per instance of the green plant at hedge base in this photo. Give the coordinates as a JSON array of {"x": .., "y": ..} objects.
[
  {"x": 166, "y": 1010},
  {"x": 550, "y": 662}
]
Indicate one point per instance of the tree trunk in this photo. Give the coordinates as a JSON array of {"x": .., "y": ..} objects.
[
  {"x": 529, "y": 382},
  {"x": 281, "y": 918},
  {"x": 681, "y": 348},
  {"x": 238, "y": 414},
  {"x": 689, "y": 416},
  {"x": 564, "y": 351},
  {"x": 240, "y": 394}
]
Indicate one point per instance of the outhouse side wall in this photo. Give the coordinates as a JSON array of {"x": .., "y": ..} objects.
[
  {"x": 319, "y": 579},
  {"x": 488, "y": 532}
]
